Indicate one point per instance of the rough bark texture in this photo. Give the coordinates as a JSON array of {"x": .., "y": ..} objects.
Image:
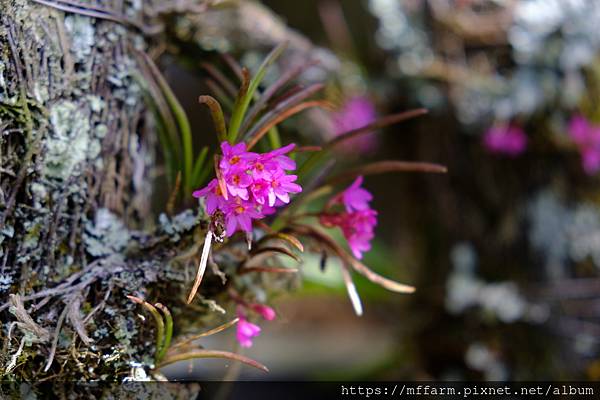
[{"x": 76, "y": 157}]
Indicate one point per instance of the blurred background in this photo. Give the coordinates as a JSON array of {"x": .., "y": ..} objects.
[{"x": 504, "y": 249}]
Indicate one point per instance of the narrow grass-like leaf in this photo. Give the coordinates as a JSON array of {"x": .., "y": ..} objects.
[
  {"x": 272, "y": 270},
  {"x": 199, "y": 167},
  {"x": 286, "y": 237},
  {"x": 239, "y": 100},
  {"x": 287, "y": 77},
  {"x": 274, "y": 138},
  {"x": 210, "y": 332},
  {"x": 168, "y": 134},
  {"x": 232, "y": 64},
  {"x": 201, "y": 266},
  {"x": 216, "y": 113},
  {"x": 359, "y": 267},
  {"x": 223, "y": 98},
  {"x": 381, "y": 167},
  {"x": 282, "y": 116},
  {"x": 220, "y": 78},
  {"x": 351, "y": 289},
  {"x": 212, "y": 354},
  {"x": 296, "y": 98},
  {"x": 180, "y": 116},
  {"x": 315, "y": 159},
  {"x": 170, "y": 208},
  {"x": 239, "y": 110},
  {"x": 158, "y": 319},
  {"x": 276, "y": 250},
  {"x": 168, "y": 331},
  {"x": 306, "y": 149},
  {"x": 378, "y": 124}
]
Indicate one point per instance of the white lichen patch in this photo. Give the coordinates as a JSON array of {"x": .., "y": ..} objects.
[
  {"x": 68, "y": 146},
  {"x": 40, "y": 92},
  {"x": 96, "y": 103},
  {"x": 178, "y": 224},
  {"x": 106, "y": 235},
  {"x": 81, "y": 34},
  {"x": 71, "y": 142},
  {"x": 5, "y": 282},
  {"x": 2, "y": 79},
  {"x": 39, "y": 194},
  {"x": 101, "y": 131}
]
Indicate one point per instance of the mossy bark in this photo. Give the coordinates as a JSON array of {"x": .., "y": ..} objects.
[
  {"x": 75, "y": 161},
  {"x": 76, "y": 157}
]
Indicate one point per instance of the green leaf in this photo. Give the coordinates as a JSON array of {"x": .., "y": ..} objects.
[
  {"x": 240, "y": 108},
  {"x": 198, "y": 167},
  {"x": 216, "y": 113}
]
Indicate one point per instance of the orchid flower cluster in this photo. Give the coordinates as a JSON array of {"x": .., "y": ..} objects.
[
  {"x": 357, "y": 220},
  {"x": 249, "y": 185}
]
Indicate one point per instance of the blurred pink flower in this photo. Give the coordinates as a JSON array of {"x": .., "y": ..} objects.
[
  {"x": 265, "y": 311},
  {"x": 356, "y": 112},
  {"x": 357, "y": 221},
  {"x": 587, "y": 137},
  {"x": 358, "y": 228},
  {"x": 510, "y": 140},
  {"x": 246, "y": 331},
  {"x": 356, "y": 198}
]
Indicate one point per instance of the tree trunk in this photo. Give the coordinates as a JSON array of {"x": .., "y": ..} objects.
[
  {"x": 75, "y": 162},
  {"x": 76, "y": 159}
]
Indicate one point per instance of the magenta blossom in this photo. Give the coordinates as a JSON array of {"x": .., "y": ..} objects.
[
  {"x": 358, "y": 228},
  {"x": 238, "y": 181},
  {"x": 212, "y": 194},
  {"x": 357, "y": 221},
  {"x": 239, "y": 215},
  {"x": 587, "y": 138},
  {"x": 356, "y": 112},
  {"x": 281, "y": 187},
  {"x": 277, "y": 159},
  {"x": 356, "y": 198},
  {"x": 252, "y": 185},
  {"x": 246, "y": 331},
  {"x": 265, "y": 311},
  {"x": 234, "y": 155},
  {"x": 510, "y": 140}
]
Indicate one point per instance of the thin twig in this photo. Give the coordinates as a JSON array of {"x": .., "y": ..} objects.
[
  {"x": 95, "y": 12},
  {"x": 59, "y": 325}
]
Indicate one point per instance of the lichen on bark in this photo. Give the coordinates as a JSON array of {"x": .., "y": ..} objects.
[
  {"x": 76, "y": 165},
  {"x": 72, "y": 120}
]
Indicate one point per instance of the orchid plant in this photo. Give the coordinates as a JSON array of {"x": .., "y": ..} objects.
[{"x": 262, "y": 197}]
